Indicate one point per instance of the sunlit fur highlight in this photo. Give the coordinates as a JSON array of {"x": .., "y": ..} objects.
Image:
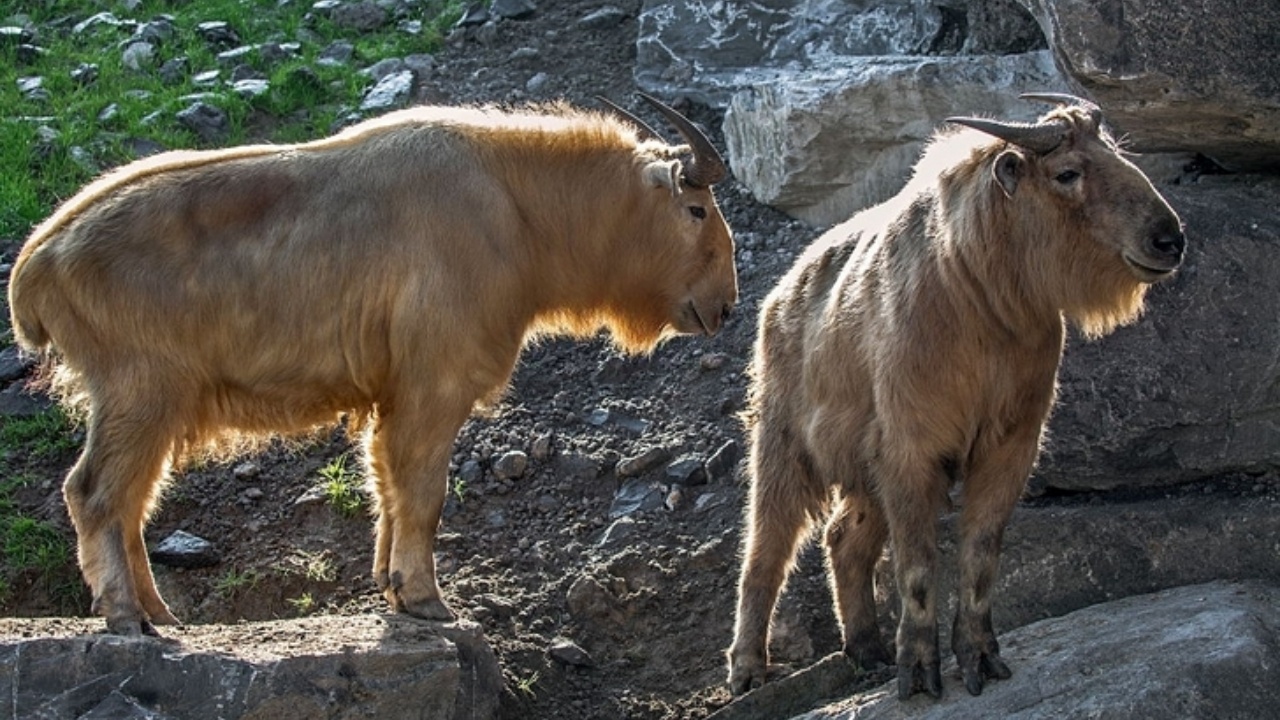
[{"x": 198, "y": 302}]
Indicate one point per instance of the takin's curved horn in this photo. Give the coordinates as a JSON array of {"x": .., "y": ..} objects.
[
  {"x": 646, "y": 132},
  {"x": 707, "y": 167},
  {"x": 1040, "y": 138},
  {"x": 1089, "y": 106}
]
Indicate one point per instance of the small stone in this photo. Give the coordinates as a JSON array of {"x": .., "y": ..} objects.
[
  {"x": 537, "y": 82},
  {"x": 566, "y": 651},
  {"x": 95, "y": 21},
  {"x": 84, "y": 159},
  {"x": 30, "y": 54},
  {"x": 687, "y": 471},
  {"x": 275, "y": 53},
  {"x": 157, "y": 32},
  {"x": 338, "y": 53},
  {"x": 205, "y": 120},
  {"x": 713, "y": 361},
  {"x": 383, "y": 68},
  {"x": 138, "y": 56},
  {"x": 644, "y": 462},
  {"x": 512, "y": 9},
  {"x": 219, "y": 34},
  {"x": 618, "y": 531},
  {"x": 12, "y": 36},
  {"x": 14, "y": 364},
  {"x": 724, "y": 461},
  {"x": 421, "y": 64},
  {"x": 542, "y": 445},
  {"x": 470, "y": 472},
  {"x": 475, "y": 14},
  {"x": 173, "y": 70},
  {"x": 246, "y": 471},
  {"x": 511, "y": 466},
  {"x": 206, "y": 78},
  {"x": 85, "y": 73},
  {"x": 605, "y": 17},
  {"x": 361, "y": 17},
  {"x": 524, "y": 53},
  {"x": 636, "y": 496},
  {"x": 254, "y": 494},
  {"x": 184, "y": 550},
  {"x": 235, "y": 56}
]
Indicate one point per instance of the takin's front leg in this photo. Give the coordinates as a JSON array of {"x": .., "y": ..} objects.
[
  {"x": 992, "y": 487},
  {"x": 408, "y": 450},
  {"x": 912, "y": 498}
]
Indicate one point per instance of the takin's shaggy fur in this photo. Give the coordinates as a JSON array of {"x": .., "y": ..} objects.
[
  {"x": 392, "y": 272},
  {"x": 917, "y": 345}
]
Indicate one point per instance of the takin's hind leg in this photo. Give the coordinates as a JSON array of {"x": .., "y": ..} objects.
[
  {"x": 785, "y": 494},
  {"x": 855, "y": 539},
  {"x": 409, "y": 457},
  {"x": 108, "y": 494}
]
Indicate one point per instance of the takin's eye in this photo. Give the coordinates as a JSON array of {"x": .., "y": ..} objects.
[
  {"x": 698, "y": 211},
  {"x": 1066, "y": 177}
]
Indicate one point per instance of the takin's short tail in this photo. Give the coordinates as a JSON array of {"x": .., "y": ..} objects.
[{"x": 28, "y": 330}]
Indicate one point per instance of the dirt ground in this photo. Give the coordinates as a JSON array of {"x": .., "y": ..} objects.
[{"x": 539, "y": 559}]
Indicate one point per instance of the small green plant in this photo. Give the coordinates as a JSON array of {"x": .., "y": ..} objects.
[
  {"x": 525, "y": 685},
  {"x": 37, "y": 551},
  {"x": 305, "y": 604},
  {"x": 342, "y": 487},
  {"x": 459, "y": 488},
  {"x": 234, "y": 581}
]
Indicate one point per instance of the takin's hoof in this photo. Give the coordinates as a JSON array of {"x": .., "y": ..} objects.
[
  {"x": 868, "y": 654},
  {"x": 131, "y": 627},
  {"x": 429, "y": 609},
  {"x": 976, "y": 670},
  {"x": 918, "y": 676},
  {"x": 747, "y": 675}
]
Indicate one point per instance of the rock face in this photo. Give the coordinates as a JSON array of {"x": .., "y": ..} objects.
[
  {"x": 1201, "y": 76},
  {"x": 334, "y": 667},
  {"x": 1197, "y": 651},
  {"x": 826, "y": 142},
  {"x": 1192, "y": 389}
]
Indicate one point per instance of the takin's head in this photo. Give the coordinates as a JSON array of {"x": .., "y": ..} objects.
[
  {"x": 702, "y": 284},
  {"x": 1107, "y": 231}
]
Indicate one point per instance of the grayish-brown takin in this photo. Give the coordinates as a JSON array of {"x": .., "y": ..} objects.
[
  {"x": 916, "y": 346},
  {"x": 391, "y": 273}
]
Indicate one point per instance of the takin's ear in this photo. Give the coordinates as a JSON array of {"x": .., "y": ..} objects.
[
  {"x": 1006, "y": 169},
  {"x": 664, "y": 173}
]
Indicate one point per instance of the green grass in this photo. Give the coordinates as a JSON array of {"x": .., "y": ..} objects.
[
  {"x": 35, "y": 549},
  {"x": 35, "y": 174},
  {"x": 342, "y": 487},
  {"x": 234, "y": 581},
  {"x": 46, "y": 436}
]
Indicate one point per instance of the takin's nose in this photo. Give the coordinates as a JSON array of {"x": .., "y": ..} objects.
[{"x": 1167, "y": 244}]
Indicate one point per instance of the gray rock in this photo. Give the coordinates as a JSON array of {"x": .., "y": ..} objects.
[
  {"x": 174, "y": 70},
  {"x": 603, "y": 18},
  {"x": 138, "y": 56},
  {"x": 543, "y": 446},
  {"x": 618, "y": 532},
  {"x": 324, "y": 666},
  {"x": 383, "y": 68},
  {"x": 421, "y": 64},
  {"x": 13, "y": 36},
  {"x": 707, "y": 53},
  {"x": 1198, "y": 651},
  {"x": 824, "y": 142},
  {"x": 273, "y": 53},
  {"x": 566, "y": 651},
  {"x": 14, "y": 364},
  {"x": 218, "y": 34},
  {"x": 235, "y": 56},
  {"x": 362, "y": 17},
  {"x": 251, "y": 87},
  {"x": 30, "y": 54},
  {"x": 687, "y": 470},
  {"x": 95, "y": 21},
  {"x": 1190, "y": 390},
  {"x": 511, "y": 465},
  {"x": 16, "y": 402},
  {"x": 337, "y": 53},
  {"x": 32, "y": 88},
  {"x": 207, "y": 78},
  {"x": 1199, "y": 76},
  {"x": 644, "y": 462},
  {"x": 206, "y": 121},
  {"x": 475, "y": 15},
  {"x": 512, "y": 9},
  {"x": 636, "y": 496},
  {"x": 724, "y": 461},
  {"x": 390, "y": 92},
  {"x": 184, "y": 550},
  {"x": 85, "y": 73},
  {"x": 470, "y": 472},
  {"x": 537, "y": 82},
  {"x": 156, "y": 32},
  {"x": 109, "y": 114}
]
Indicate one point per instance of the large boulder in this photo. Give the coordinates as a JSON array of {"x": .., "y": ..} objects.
[
  {"x": 324, "y": 666},
  {"x": 825, "y": 142},
  {"x": 1201, "y": 76},
  {"x": 1198, "y": 651},
  {"x": 1193, "y": 388},
  {"x": 707, "y": 50}
]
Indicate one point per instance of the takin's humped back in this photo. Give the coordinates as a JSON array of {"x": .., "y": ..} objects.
[
  {"x": 392, "y": 273},
  {"x": 917, "y": 345}
]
